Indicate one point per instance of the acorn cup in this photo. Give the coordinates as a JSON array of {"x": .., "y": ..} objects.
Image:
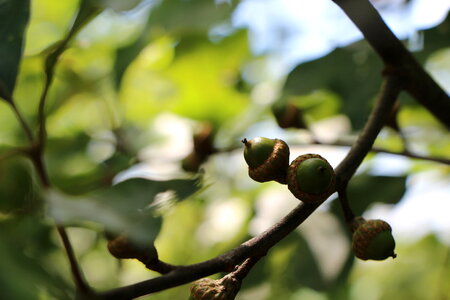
[
  {"x": 267, "y": 159},
  {"x": 373, "y": 240},
  {"x": 311, "y": 178},
  {"x": 225, "y": 288}
]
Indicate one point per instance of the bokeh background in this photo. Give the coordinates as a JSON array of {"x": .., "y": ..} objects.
[{"x": 143, "y": 76}]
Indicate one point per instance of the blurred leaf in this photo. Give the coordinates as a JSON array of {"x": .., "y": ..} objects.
[
  {"x": 14, "y": 15},
  {"x": 125, "y": 207},
  {"x": 18, "y": 193},
  {"x": 118, "y": 5},
  {"x": 146, "y": 91},
  {"x": 88, "y": 10},
  {"x": 189, "y": 17},
  {"x": 353, "y": 73},
  {"x": 293, "y": 265},
  {"x": 178, "y": 18},
  {"x": 25, "y": 244}
]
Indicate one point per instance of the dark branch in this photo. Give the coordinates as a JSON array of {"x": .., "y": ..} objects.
[
  {"x": 256, "y": 246},
  {"x": 397, "y": 58},
  {"x": 389, "y": 93}
]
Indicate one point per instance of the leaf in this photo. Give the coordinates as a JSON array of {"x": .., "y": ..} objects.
[
  {"x": 353, "y": 73},
  {"x": 118, "y": 5},
  {"x": 18, "y": 193},
  {"x": 179, "y": 18},
  {"x": 293, "y": 265},
  {"x": 25, "y": 245},
  {"x": 125, "y": 207},
  {"x": 14, "y": 16},
  {"x": 189, "y": 17}
]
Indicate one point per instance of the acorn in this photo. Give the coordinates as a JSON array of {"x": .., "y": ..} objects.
[
  {"x": 311, "y": 178},
  {"x": 267, "y": 159},
  {"x": 373, "y": 240},
  {"x": 288, "y": 115},
  {"x": 225, "y": 288},
  {"x": 122, "y": 247}
]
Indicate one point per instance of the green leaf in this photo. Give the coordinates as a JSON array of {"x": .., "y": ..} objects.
[
  {"x": 14, "y": 16},
  {"x": 189, "y": 17},
  {"x": 293, "y": 265},
  {"x": 125, "y": 207},
  {"x": 179, "y": 18},
  {"x": 18, "y": 193},
  {"x": 353, "y": 73},
  {"x": 25, "y": 245}
]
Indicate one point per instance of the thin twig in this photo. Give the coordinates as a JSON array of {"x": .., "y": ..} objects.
[
  {"x": 345, "y": 205},
  {"x": 223, "y": 263},
  {"x": 243, "y": 270},
  {"x": 80, "y": 282},
  {"x": 22, "y": 121},
  {"x": 409, "y": 154},
  {"x": 389, "y": 92},
  {"x": 12, "y": 152}
]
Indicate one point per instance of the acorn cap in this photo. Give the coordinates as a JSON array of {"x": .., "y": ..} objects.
[
  {"x": 311, "y": 178},
  {"x": 225, "y": 288},
  {"x": 373, "y": 240},
  {"x": 268, "y": 165}
]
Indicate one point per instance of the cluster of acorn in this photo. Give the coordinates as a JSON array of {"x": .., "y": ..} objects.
[
  {"x": 312, "y": 179},
  {"x": 309, "y": 177}
]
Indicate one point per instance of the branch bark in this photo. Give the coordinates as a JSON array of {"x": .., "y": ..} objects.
[{"x": 397, "y": 58}]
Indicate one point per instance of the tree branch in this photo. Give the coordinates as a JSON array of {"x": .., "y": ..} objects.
[
  {"x": 389, "y": 93},
  {"x": 260, "y": 245},
  {"x": 256, "y": 246},
  {"x": 409, "y": 154},
  {"x": 397, "y": 58}
]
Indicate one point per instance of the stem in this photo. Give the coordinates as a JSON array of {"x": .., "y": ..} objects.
[
  {"x": 254, "y": 247},
  {"x": 23, "y": 122},
  {"x": 343, "y": 200},
  {"x": 404, "y": 153},
  {"x": 243, "y": 270},
  {"x": 37, "y": 159},
  {"x": 389, "y": 92},
  {"x": 397, "y": 58},
  {"x": 81, "y": 284},
  {"x": 160, "y": 267}
]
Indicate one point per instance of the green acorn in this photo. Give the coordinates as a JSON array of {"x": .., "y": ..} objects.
[
  {"x": 225, "y": 288},
  {"x": 311, "y": 178},
  {"x": 267, "y": 159},
  {"x": 373, "y": 240}
]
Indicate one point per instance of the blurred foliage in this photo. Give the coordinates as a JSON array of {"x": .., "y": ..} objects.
[
  {"x": 133, "y": 81},
  {"x": 14, "y": 17},
  {"x": 353, "y": 73}
]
